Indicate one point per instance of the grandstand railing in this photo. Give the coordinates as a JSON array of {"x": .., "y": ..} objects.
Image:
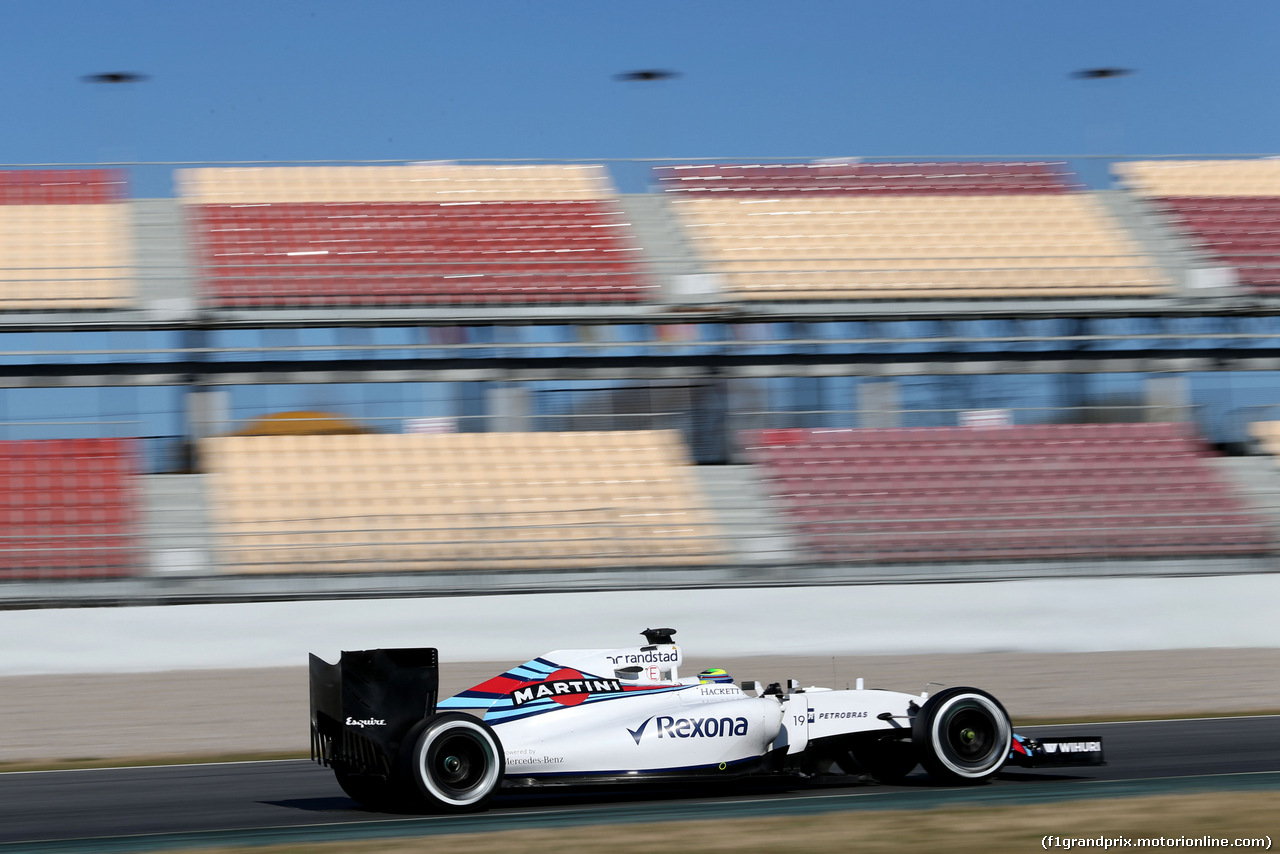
[
  {"x": 155, "y": 179},
  {"x": 976, "y": 417}
]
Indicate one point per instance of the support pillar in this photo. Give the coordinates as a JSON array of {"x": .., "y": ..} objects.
[{"x": 879, "y": 403}]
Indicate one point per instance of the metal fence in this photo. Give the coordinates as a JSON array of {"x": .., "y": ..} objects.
[{"x": 155, "y": 179}]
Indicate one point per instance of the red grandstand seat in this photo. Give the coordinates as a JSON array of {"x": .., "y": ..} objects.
[
  {"x": 1052, "y": 491},
  {"x": 422, "y": 252},
  {"x": 61, "y": 186},
  {"x": 70, "y": 509},
  {"x": 1238, "y": 231},
  {"x": 959, "y": 177}
]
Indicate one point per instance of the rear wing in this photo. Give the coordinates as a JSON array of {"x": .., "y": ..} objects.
[{"x": 363, "y": 706}]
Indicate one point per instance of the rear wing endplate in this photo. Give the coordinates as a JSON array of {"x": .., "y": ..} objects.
[{"x": 363, "y": 706}]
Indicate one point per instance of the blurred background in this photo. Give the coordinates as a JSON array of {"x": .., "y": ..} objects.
[{"x": 311, "y": 301}]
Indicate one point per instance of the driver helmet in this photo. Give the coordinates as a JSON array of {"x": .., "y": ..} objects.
[{"x": 715, "y": 674}]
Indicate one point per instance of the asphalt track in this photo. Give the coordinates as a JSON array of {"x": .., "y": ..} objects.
[{"x": 166, "y": 807}]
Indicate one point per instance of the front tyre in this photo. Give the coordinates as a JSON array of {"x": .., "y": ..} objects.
[
  {"x": 962, "y": 735},
  {"x": 456, "y": 762}
]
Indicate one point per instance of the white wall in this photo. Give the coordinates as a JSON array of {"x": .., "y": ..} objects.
[{"x": 1065, "y": 615}]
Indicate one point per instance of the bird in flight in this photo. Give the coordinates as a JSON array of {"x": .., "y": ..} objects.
[
  {"x": 647, "y": 74},
  {"x": 1101, "y": 73},
  {"x": 115, "y": 77}
]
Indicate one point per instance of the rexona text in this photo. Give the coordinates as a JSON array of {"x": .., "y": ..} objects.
[{"x": 669, "y": 727}]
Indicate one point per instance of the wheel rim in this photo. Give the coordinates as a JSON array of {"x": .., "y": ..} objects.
[
  {"x": 459, "y": 764},
  {"x": 972, "y": 736}
]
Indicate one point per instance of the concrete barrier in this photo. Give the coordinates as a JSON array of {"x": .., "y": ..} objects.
[{"x": 1057, "y": 615}]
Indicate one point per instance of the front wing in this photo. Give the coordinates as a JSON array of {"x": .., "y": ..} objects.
[{"x": 1028, "y": 752}]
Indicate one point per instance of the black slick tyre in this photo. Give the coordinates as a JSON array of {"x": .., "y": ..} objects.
[
  {"x": 962, "y": 736},
  {"x": 454, "y": 762}
]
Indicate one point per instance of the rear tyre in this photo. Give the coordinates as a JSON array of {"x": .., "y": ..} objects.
[
  {"x": 888, "y": 760},
  {"x": 962, "y": 735},
  {"x": 455, "y": 762}
]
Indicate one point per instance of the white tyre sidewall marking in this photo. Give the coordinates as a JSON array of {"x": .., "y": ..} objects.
[
  {"x": 1004, "y": 733},
  {"x": 423, "y": 751}
]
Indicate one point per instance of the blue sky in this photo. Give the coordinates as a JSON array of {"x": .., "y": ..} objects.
[{"x": 288, "y": 79}]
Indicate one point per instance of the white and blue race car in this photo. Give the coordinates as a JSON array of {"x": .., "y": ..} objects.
[{"x": 588, "y": 716}]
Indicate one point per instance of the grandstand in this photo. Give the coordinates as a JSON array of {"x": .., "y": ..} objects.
[
  {"x": 906, "y": 231},
  {"x": 1048, "y": 491},
  {"x": 402, "y": 235},
  {"x": 1229, "y": 209},
  {"x": 71, "y": 509},
  {"x": 752, "y": 371},
  {"x": 394, "y": 503},
  {"x": 64, "y": 240}
]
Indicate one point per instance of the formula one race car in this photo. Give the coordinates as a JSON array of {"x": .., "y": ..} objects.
[{"x": 626, "y": 715}]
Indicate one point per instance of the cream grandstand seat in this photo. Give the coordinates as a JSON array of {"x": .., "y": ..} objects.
[
  {"x": 427, "y": 501},
  {"x": 411, "y": 183},
  {"x": 854, "y": 247},
  {"x": 1267, "y": 433},
  {"x": 72, "y": 256},
  {"x": 1173, "y": 178}
]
